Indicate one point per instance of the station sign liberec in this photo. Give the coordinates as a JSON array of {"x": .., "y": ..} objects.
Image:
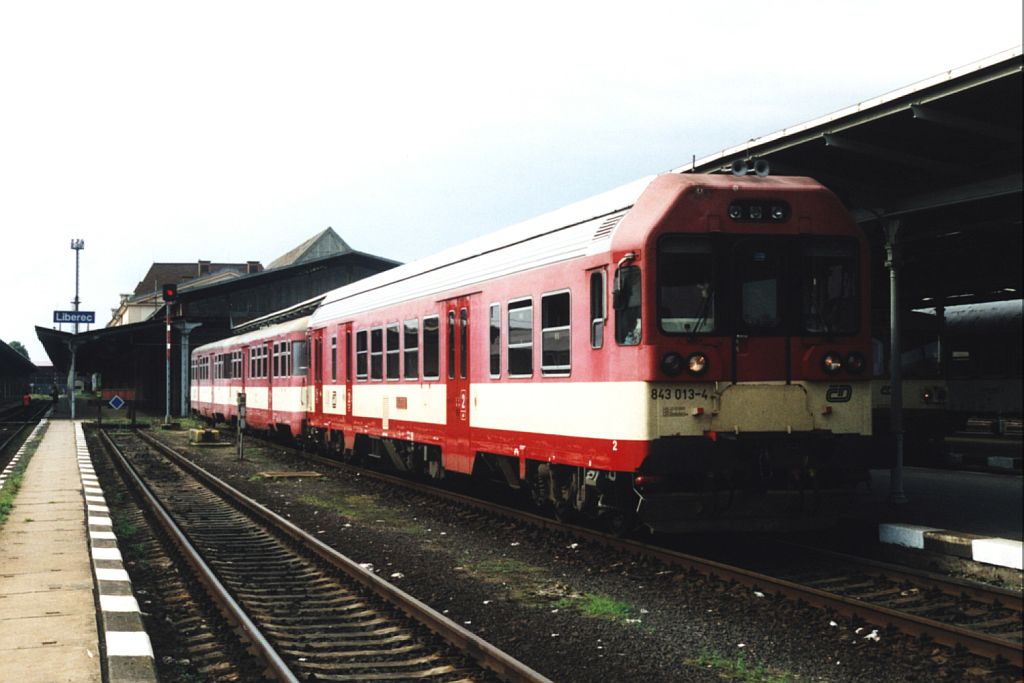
[{"x": 74, "y": 317}]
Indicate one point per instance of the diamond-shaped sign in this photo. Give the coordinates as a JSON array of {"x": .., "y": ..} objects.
[{"x": 117, "y": 402}]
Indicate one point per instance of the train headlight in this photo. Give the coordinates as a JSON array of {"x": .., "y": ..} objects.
[
  {"x": 855, "y": 362},
  {"x": 832, "y": 362},
  {"x": 778, "y": 212},
  {"x": 696, "y": 363},
  {"x": 672, "y": 363}
]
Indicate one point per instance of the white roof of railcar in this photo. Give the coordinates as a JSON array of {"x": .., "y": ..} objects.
[
  {"x": 281, "y": 329},
  {"x": 572, "y": 231}
]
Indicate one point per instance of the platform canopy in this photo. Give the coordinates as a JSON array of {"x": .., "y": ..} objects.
[{"x": 943, "y": 157}]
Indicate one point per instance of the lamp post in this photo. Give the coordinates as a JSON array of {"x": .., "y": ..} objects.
[{"x": 78, "y": 245}]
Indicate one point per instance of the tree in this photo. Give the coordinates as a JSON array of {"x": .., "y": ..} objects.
[{"x": 17, "y": 346}]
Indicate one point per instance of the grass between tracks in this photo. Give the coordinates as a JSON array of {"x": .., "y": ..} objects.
[{"x": 738, "y": 669}]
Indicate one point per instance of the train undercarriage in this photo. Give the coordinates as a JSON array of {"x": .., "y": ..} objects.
[{"x": 757, "y": 483}]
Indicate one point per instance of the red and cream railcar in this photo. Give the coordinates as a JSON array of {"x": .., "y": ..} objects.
[
  {"x": 269, "y": 365},
  {"x": 690, "y": 349}
]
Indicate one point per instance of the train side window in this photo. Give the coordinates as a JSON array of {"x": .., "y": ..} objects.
[
  {"x": 451, "y": 344},
  {"x": 411, "y": 332},
  {"x": 495, "y": 340},
  {"x": 377, "y": 353},
  {"x": 236, "y": 364},
  {"x": 282, "y": 359},
  {"x": 254, "y": 361},
  {"x": 598, "y": 308},
  {"x": 520, "y": 338},
  {"x": 394, "y": 352},
  {"x": 431, "y": 347},
  {"x": 361, "y": 354},
  {"x": 298, "y": 364},
  {"x": 627, "y": 306},
  {"x": 334, "y": 358},
  {"x": 555, "y": 333}
]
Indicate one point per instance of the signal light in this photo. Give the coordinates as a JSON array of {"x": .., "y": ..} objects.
[{"x": 170, "y": 292}]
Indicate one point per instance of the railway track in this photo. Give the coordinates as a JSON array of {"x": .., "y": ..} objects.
[
  {"x": 13, "y": 426},
  {"x": 311, "y": 613},
  {"x": 984, "y": 620}
]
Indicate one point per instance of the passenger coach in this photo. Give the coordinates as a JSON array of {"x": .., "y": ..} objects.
[
  {"x": 268, "y": 365},
  {"x": 690, "y": 351}
]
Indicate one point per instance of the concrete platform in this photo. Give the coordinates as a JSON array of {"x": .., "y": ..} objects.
[{"x": 51, "y": 628}]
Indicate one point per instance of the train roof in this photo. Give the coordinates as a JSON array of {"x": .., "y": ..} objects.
[
  {"x": 569, "y": 232},
  {"x": 985, "y": 318},
  {"x": 296, "y": 325}
]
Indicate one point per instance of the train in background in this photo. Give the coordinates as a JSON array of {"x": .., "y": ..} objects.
[
  {"x": 961, "y": 376},
  {"x": 689, "y": 352}
]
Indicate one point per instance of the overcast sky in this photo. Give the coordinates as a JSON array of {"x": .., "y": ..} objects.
[{"x": 232, "y": 131}]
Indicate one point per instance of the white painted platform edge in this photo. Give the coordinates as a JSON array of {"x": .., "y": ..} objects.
[{"x": 907, "y": 535}]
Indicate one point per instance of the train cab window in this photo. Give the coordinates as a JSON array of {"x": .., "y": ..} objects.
[
  {"x": 431, "y": 347},
  {"x": 686, "y": 298},
  {"x": 494, "y": 348},
  {"x": 830, "y": 301},
  {"x": 299, "y": 358},
  {"x": 520, "y": 338},
  {"x": 334, "y": 358},
  {"x": 627, "y": 306},
  {"x": 394, "y": 351},
  {"x": 758, "y": 267},
  {"x": 362, "y": 351},
  {"x": 598, "y": 308},
  {"x": 411, "y": 355},
  {"x": 377, "y": 353},
  {"x": 555, "y": 332}
]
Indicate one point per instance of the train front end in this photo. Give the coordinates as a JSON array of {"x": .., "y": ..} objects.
[{"x": 745, "y": 300}]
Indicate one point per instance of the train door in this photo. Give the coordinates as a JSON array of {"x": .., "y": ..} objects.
[
  {"x": 318, "y": 375},
  {"x": 760, "y": 343},
  {"x": 269, "y": 348},
  {"x": 349, "y": 370},
  {"x": 458, "y": 456}
]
